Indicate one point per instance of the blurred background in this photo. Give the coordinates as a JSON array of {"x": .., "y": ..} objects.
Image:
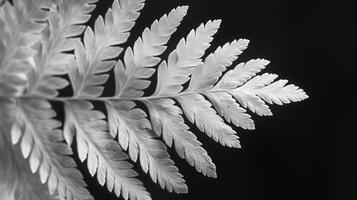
[{"x": 306, "y": 150}]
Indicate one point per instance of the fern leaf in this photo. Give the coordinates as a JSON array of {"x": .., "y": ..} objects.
[
  {"x": 40, "y": 140},
  {"x": 94, "y": 57},
  {"x": 104, "y": 156},
  {"x": 272, "y": 92},
  {"x": 65, "y": 22},
  {"x": 13, "y": 82},
  {"x": 279, "y": 93},
  {"x": 45, "y": 41},
  {"x": 20, "y": 29},
  {"x": 130, "y": 81},
  {"x": 206, "y": 75},
  {"x": 199, "y": 111},
  {"x": 226, "y": 106},
  {"x": 135, "y": 135},
  {"x": 72, "y": 15},
  {"x": 168, "y": 122},
  {"x": 184, "y": 59},
  {"x": 252, "y": 102},
  {"x": 17, "y": 180},
  {"x": 241, "y": 74}
]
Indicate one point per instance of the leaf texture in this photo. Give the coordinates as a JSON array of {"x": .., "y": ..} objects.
[
  {"x": 20, "y": 29},
  {"x": 131, "y": 79},
  {"x": 227, "y": 107},
  {"x": 93, "y": 56},
  {"x": 65, "y": 21},
  {"x": 241, "y": 73},
  {"x": 184, "y": 59},
  {"x": 206, "y": 75},
  {"x": 168, "y": 123},
  {"x": 19, "y": 32},
  {"x": 199, "y": 111},
  {"x": 104, "y": 156},
  {"x": 17, "y": 180},
  {"x": 272, "y": 92},
  {"x": 45, "y": 46},
  {"x": 135, "y": 135},
  {"x": 40, "y": 141}
]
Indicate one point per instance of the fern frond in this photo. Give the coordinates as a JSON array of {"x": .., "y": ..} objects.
[
  {"x": 184, "y": 59},
  {"x": 104, "y": 156},
  {"x": 130, "y": 80},
  {"x": 19, "y": 31},
  {"x": 135, "y": 135},
  {"x": 64, "y": 23},
  {"x": 198, "y": 110},
  {"x": 249, "y": 100},
  {"x": 17, "y": 181},
  {"x": 72, "y": 15},
  {"x": 41, "y": 140},
  {"x": 168, "y": 123},
  {"x": 206, "y": 75},
  {"x": 45, "y": 41},
  {"x": 93, "y": 57},
  {"x": 227, "y": 107},
  {"x": 272, "y": 92},
  {"x": 241, "y": 73}
]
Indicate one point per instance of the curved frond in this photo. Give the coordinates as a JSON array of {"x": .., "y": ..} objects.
[
  {"x": 17, "y": 181},
  {"x": 168, "y": 123},
  {"x": 131, "y": 79},
  {"x": 199, "y": 111},
  {"x": 65, "y": 21},
  {"x": 104, "y": 155},
  {"x": 20, "y": 27},
  {"x": 273, "y": 92},
  {"x": 43, "y": 43},
  {"x": 135, "y": 135},
  {"x": 41, "y": 141},
  {"x": 241, "y": 73},
  {"x": 184, "y": 59},
  {"x": 207, "y": 74},
  {"x": 93, "y": 57},
  {"x": 249, "y": 100},
  {"x": 227, "y": 107}
]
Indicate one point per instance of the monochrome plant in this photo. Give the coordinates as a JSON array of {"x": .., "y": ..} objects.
[{"x": 45, "y": 47}]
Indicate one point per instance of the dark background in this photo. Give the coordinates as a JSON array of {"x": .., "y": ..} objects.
[{"x": 306, "y": 150}]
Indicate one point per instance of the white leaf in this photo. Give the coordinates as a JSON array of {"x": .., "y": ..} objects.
[
  {"x": 40, "y": 135},
  {"x": 144, "y": 54},
  {"x": 206, "y": 75},
  {"x": 19, "y": 29},
  {"x": 104, "y": 156},
  {"x": 272, "y": 92},
  {"x": 17, "y": 181},
  {"x": 241, "y": 73},
  {"x": 35, "y": 159},
  {"x": 168, "y": 122},
  {"x": 185, "y": 58},
  {"x": 92, "y": 56},
  {"x": 199, "y": 111},
  {"x": 16, "y": 133},
  {"x": 279, "y": 93},
  {"x": 65, "y": 22},
  {"x": 142, "y": 144},
  {"x": 252, "y": 102},
  {"x": 226, "y": 106}
]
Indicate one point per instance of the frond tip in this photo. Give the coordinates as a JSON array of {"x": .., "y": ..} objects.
[{"x": 46, "y": 46}]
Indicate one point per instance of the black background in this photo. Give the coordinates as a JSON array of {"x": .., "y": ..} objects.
[{"x": 306, "y": 150}]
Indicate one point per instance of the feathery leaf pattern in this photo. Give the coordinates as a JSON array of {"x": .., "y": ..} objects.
[{"x": 44, "y": 41}]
